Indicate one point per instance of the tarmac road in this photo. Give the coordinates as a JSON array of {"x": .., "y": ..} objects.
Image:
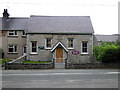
[{"x": 60, "y": 78}]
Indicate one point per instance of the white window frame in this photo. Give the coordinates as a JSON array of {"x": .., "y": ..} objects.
[
  {"x": 46, "y": 43},
  {"x": 82, "y": 47},
  {"x": 13, "y": 46},
  {"x": 13, "y": 33},
  {"x": 31, "y": 48},
  {"x": 68, "y": 43}
]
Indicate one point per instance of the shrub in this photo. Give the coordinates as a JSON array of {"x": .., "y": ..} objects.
[{"x": 107, "y": 52}]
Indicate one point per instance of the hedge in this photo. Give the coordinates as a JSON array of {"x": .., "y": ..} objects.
[{"x": 107, "y": 53}]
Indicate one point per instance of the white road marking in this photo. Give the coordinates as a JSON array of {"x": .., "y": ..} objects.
[{"x": 58, "y": 74}]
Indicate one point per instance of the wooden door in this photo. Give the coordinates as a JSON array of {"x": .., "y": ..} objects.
[{"x": 59, "y": 55}]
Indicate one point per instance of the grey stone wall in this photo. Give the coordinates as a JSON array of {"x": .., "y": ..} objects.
[
  {"x": 19, "y": 40},
  {"x": 46, "y": 54},
  {"x": 92, "y": 65},
  {"x": 16, "y": 66}
]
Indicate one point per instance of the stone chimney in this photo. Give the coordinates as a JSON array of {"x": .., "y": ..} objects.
[{"x": 5, "y": 14}]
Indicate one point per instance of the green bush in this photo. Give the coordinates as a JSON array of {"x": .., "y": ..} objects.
[
  {"x": 108, "y": 52},
  {"x": 2, "y": 61}
]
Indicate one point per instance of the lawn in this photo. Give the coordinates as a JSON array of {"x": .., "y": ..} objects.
[
  {"x": 2, "y": 61},
  {"x": 37, "y": 62}
]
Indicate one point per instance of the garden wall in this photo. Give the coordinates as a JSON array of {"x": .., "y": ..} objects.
[
  {"x": 16, "y": 66},
  {"x": 93, "y": 66}
]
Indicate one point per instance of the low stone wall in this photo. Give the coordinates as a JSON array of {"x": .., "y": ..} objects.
[
  {"x": 16, "y": 66},
  {"x": 93, "y": 66}
]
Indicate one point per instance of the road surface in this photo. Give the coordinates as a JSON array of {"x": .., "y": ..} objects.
[{"x": 60, "y": 78}]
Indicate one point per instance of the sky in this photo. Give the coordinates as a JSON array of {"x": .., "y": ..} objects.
[{"x": 103, "y": 13}]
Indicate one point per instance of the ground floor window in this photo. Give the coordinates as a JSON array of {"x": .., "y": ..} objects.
[
  {"x": 12, "y": 48},
  {"x": 84, "y": 47},
  {"x": 33, "y": 47},
  {"x": 24, "y": 50}
]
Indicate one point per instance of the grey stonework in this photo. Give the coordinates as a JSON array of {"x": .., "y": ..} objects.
[{"x": 47, "y": 55}]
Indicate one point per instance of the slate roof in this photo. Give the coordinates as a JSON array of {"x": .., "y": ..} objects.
[
  {"x": 107, "y": 37},
  {"x": 14, "y": 23},
  {"x": 59, "y": 24}
]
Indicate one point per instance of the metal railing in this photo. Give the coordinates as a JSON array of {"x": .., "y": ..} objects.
[{"x": 20, "y": 59}]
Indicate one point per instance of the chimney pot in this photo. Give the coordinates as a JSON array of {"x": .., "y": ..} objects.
[{"x": 5, "y": 14}]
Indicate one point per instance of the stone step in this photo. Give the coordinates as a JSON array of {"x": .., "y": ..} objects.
[{"x": 59, "y": 65}]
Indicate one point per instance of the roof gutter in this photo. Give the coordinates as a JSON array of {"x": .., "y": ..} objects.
[{"x": 59, "y": 33}]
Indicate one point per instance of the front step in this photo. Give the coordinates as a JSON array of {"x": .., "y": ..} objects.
[{"x": 59, "y": 65}]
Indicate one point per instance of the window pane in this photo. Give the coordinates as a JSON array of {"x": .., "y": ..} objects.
[
  {"x": 11, "y": 33},
  {"x": 24, "y": 50},
  {"x": 85, "y": 50},
  {"x": 84, "y": 47},
  {"x": 85, "y": 44},
  {"x": 24, "y": 33},
  {"x": 15, "y": 48},
  {"x": 10, "y": 46},
  {"x": 15, "y": 32},
  {"x": 10, "y": 49},
  {"x": 48, "y": 42},
  {"x": 71, "y": 45},
  {"x": 33, "y": 49},
  {"x": 70, "y": 42}
]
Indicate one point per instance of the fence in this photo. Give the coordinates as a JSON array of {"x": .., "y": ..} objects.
[
  {"x": 92, "y": 65},
  {"x": 16, "y": 66}
]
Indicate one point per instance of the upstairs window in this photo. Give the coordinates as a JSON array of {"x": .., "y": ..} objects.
[
  {"x": 70, "y": 43},
  {"x": 33, "y": 47},
  {"x": 48, "y": 43},
  {"x": 84, "y": 47},
  {"x": 12, "y": 49},
  {"x": 12, "y": 33}
]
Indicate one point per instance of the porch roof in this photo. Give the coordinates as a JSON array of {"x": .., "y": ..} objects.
[{"x": 59, "y": 43}]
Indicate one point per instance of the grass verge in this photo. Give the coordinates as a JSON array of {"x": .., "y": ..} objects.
[
  {"x": 36, "y": 62},
  {"x": 2, "y": 61}
]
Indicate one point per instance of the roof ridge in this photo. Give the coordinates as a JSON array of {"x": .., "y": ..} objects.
[
  {"x": 54, "y": 16},
  {"x": 18, "y": 17}
]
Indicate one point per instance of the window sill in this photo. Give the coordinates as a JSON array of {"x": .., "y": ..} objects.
[
  {"x": 24, "y": 36},
  {"x": 13, "y": 36},
  {"x": 70, "y": 48},
  {"x": 48, "y": 48},
  {"x": 84, "y": 53},
  {"x": 33, "y": 53},
  {"x": 12, "y": 53}
]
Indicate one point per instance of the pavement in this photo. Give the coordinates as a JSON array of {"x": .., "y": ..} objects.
[{"x": 60, "y": 78}]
